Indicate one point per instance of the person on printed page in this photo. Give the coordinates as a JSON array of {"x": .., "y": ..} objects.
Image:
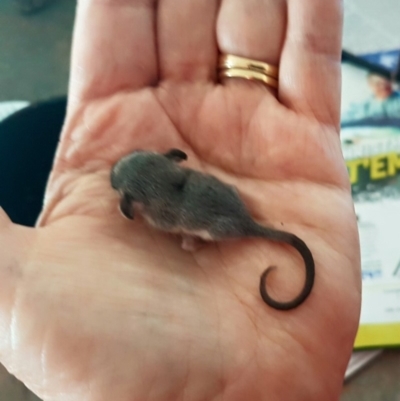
[{"x": 384, "y": 102}]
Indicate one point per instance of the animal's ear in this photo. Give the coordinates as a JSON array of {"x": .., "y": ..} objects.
[{"x": 176, "y": 155}]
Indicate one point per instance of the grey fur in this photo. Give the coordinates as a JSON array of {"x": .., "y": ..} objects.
[{"x": 181, "y": 200}]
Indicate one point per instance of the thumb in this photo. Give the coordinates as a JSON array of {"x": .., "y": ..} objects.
[{"x": 15, "y": 242}]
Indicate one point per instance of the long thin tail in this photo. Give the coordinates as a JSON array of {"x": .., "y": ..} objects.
[{"x": 302, "y": 248}]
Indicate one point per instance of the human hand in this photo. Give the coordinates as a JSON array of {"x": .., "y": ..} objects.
[{"x": 94, "y": 307}]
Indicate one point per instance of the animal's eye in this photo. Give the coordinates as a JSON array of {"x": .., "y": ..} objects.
[{"x": 178, "y": 185}]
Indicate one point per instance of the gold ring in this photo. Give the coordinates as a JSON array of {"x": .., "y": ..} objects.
[
  {"x": 229, "y": 61},
  {"x": 248, "y": 74}
]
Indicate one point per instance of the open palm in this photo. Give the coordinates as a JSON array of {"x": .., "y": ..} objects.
[{"x": 96, "y": 307}]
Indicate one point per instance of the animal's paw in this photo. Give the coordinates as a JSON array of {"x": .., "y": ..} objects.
[{"x": 191, "y": 243}]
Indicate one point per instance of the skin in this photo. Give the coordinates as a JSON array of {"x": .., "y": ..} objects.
[
  {"x": 95, "y": 308},
  {"x": 380, "y": 87},
  {"x": 198, "y": 206}
]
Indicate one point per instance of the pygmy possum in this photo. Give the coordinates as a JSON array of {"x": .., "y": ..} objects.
[{"x": 197, "y": 206}]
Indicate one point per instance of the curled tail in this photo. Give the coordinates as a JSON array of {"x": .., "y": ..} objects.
[{"x": 301, "y": 247}]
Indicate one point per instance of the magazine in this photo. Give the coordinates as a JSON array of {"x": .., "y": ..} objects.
[
  {"x": 370, "y": 136},
  {"x": 371, "y": 26},
  {"x": 371, "y": 32},
  {"x": 359, "y": 360}
]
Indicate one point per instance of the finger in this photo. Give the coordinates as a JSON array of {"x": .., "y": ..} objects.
[
  {"x": 252, "y": 28},
  {"x": 113, "y": 48},
  {"x": 309, "y": 80},
  {"x": 13, "y": 244},
  {"x": 186, "y": 39}
]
